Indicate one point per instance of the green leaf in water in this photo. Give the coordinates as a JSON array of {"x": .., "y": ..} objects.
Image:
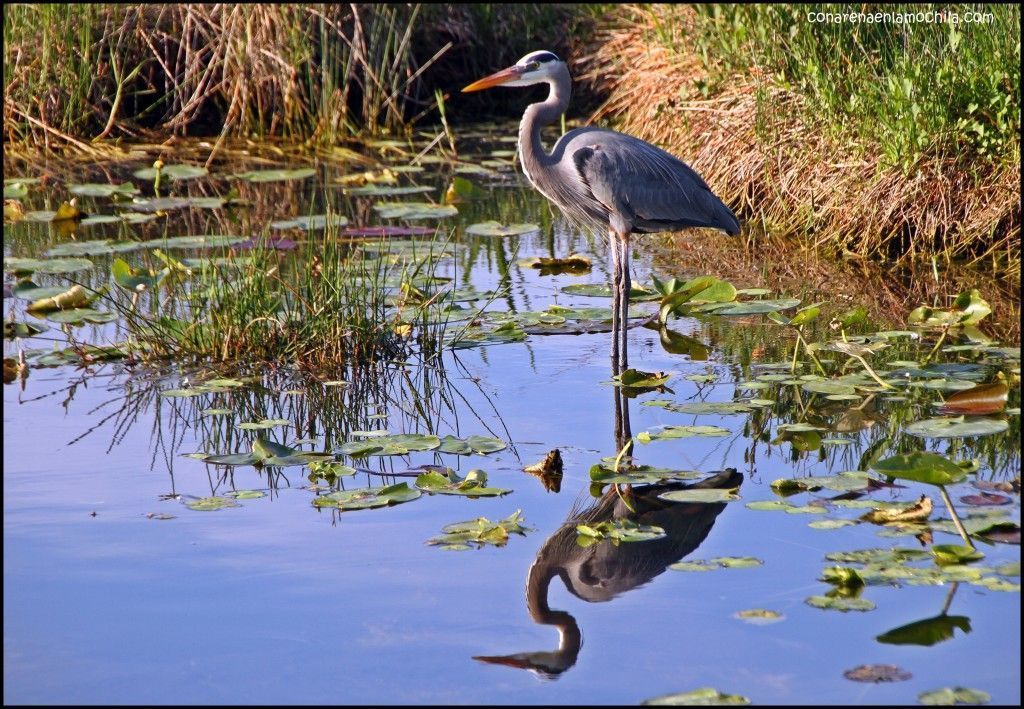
[
  {"x": 445, "y": 481},
  {"x": 948, "y": 696},
  {"x": 681, "y": 432},
  {"x": 703, "y": 495},
  {"x": 211, "y": 504},
  {"x": 497, "y": 229},
  {"x": 956, "y": 427},
  {"x": 758, "y": 616},
  {"x": 705, "y": 696},
  {"x": 414, "y": 210},
  {"x": 276, "y": 175},
  {"x": 366, "y": 498},
  {"x": 925, "y": 467}
]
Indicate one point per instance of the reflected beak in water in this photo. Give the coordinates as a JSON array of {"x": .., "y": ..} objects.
[{"x": 496, "y": 79}]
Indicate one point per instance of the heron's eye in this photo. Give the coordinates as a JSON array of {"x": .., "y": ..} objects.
[{"x": 533, "y": 66}]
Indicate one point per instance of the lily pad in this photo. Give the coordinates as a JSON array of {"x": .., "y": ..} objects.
[
  {"x": 366, "y": 498},
  {"x": 264, "y": 424},
  {"x": 414, "y": 210},
  {"x": 705, "y": 696},
  {"x": 98, "y": 190},
  {"x": 172, "y": 172},
  {"x": 399, "y": 444},
  {"x": 924, "y": 467},
  {"x": 957, "y": 427},
  {"x": 445, "y": 481},
  {"x": 703, "y": 495},
  {"x": 759, "y": 616},
  {"x": 211, "y": 504},
  {"x": 948, "y": 696},
  {"x": 276, "y": 175},
  {"x": 14, "y": 264},
  {"x": 480, "y": 445},
  {"x": 497, "y": 229},
  {"x": 681, "y": 432},
  {"x": 840, "y": 603},
  {"x": 616, "y": 531},
  {"x": 641, "y": 380},
  {"x": 386, "y": 190},
  {"x": 313, "y": 222},
  {"x": 480, "y": 532}
]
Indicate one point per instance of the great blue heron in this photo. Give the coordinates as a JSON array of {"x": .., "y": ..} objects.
[{"x": 606, "y": 180}]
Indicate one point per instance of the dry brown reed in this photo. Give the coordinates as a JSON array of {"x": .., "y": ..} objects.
[{"x": 779, "y": 171}]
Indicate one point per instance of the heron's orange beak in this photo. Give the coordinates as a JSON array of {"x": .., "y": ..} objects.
[{"x": 496, "y": 79}]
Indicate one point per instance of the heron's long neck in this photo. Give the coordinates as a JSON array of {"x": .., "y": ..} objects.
[{"x": 538, "y": 115}]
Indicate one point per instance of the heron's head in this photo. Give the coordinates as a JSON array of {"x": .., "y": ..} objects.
[{"x": 534, "y": 68}]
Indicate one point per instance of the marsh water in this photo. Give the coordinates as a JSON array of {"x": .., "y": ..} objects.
[{"x": 117, "y": 589}]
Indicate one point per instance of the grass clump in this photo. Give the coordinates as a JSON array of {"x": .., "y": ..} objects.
[
  {"x": 898, "y": 141},
  {"x": 339, "y": 307}
]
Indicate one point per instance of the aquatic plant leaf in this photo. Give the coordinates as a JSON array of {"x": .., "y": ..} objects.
[
  {"x": 446, "y": 481},
  {"x": 386, "y": 190},
  {"x": 172, "y": 172},
  {"x": 641, "y": 380},
  {"x": 948, "y": 696},
  {"x": 958, "y": 427},
  {"x": 705, "y": 696},
  {"x": 637, "y": 293},
  {"x": 14, "y": 329},
  {"x": 93, "y": 248},
  {"x": 779, "y": 505},
  {"x": 264, "y": 424},
  {"x": 414, "y": 210},
  {"x": 276, "y": 175},
  {"x": 616, "y": 531},
  {"x": 926, "y": 632},
  {"x": 211, "y": 504},
  {"x": 877, "y": 673},
  {"x": 896, "y": 555},
  {"x": 314, "y": 222},
  {"x": 14, "y": 264},
  {"x": 946, "y": 554},
  {"x": 216, "y": 412},
  {"x": 366, "y": 498},
  {"x": 840, "y": 603},
  {"x": 201, "y": 241},
  {"x": 498, "y": 229},
  {"x": 330, "y": 469},
  {"x": 924, "y": 467},
  {"x": 828, "y": 386},
  {"x": 573, "y": 263},
  {"x": 753, "y": 307},
  {"x": 758, "y": 616},
  {"x": 969, "y": 308},
  {"x": 982, "y": 399},
  {"x": 805, "y": 315},
  {"x": 703, "y": 495},
  {"x": 246, "y": 494},
  {"x": 93, "y": 189},
  {"x": 358, "y": 449},
  {"x": 681, "y": 432},
  {"x": 135, "y": 280},
  {"x": 233, "y": 459},
  {"x": 831, "y": 523},
  {"x": 481, "y": 532},
  {"x": 78, "y": 316}
]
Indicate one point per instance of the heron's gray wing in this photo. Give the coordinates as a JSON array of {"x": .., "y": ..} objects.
[{"x": 646, "y": 189}]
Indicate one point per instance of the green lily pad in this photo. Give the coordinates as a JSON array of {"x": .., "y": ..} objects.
[
  {"x": 313, "y": 222},
  {"x": 497, "y": 229},
  {"x": 264, "y": 424},
  {"x": 399, "y": 444},
  {"x": 246, "y": 494},
  {"x": 758, "y": 616},
  {"x": 924, "y": 467},
  {"x": 721, "y": 562},
  {"x": 926, "y": 632},
  {"x": 211, "y": 504},
  {"x": 948, "y": 696},
  {"x": 616, "y": 531},
  {"x": 14, "y": 264},
  {"x": 386, "y": 190},
  {"x": 97, "y": 190},
  {"x": 956, "y": 427},
  {"x": 480, "y": 532},
  {"x": 641, "y": 380},
  {"x": 603, "y": 474},
  {"x": 216, "y": 412},
  {"x": 79, "y": 316},
  {"x": 135, "y": 279},
  {"x": 840, "y": 603},
  {"x": 172, "y": 172},
  {"x": 704, "y": 495},
  {"x": 753, "y": 307},
  {"x": 480, "y": 445},
  {"x": 681, "y": 432},
  {"x": 195, "y": 242},
  {"x": 366, "y": 498},
  {"x": 598, "y": 290},
  {"x": 445, "y": 481},
  {"x": 947, "y": 554},
  {"x": 831, "y": 523},
  {"x": 276, "y": 175},
  {"x": 779, "y": 505},
  {"x": 705, "y": 696},
  {"x": 414, "y": 210},
  {"x": 829, "y": 387}
]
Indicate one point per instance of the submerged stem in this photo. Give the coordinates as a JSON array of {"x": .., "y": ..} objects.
[{"x": 956, "y": 519}]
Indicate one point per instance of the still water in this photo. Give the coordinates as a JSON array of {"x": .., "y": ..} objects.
[{"x": 116, "y": 592}]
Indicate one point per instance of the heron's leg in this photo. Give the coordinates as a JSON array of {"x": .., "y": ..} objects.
[
  {"x": 613, "y": 248},
  {"x": 626, "y": 285}
]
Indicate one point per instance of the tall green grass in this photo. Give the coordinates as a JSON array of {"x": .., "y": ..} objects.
[
  {"x": 336, "y": 308},
  {"x": 917, "y": 90}
]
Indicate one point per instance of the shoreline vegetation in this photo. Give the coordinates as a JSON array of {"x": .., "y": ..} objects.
[{"x": 889, "y": 142}]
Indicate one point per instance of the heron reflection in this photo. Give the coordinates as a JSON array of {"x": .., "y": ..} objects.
[{"x": 602, "y": 571}]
